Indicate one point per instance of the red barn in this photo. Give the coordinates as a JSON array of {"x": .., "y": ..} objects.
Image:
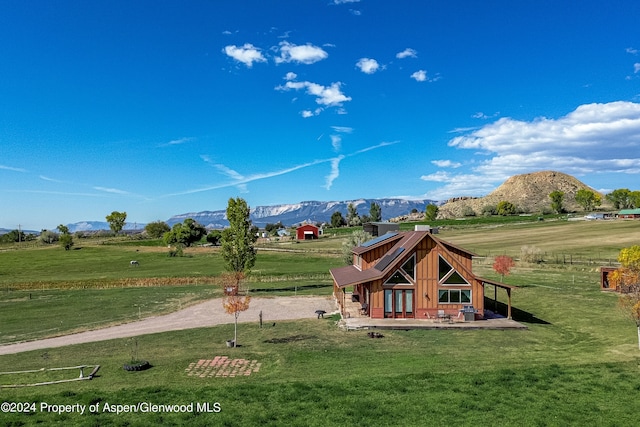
[{"x": 307, "y": 232}]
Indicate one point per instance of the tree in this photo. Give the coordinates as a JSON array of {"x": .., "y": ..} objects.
[
  {"x": 619, "y": 198},
  {"x": 214, "y": 237},
  {"x": 48, "y": 237},
  {"x": 634, "y": 199},
  {"x": 66, "y": 241},
  {"x": 233, "y": 302},
  {"x": 588, "y": 199},
  {"x": 337, "y": 220},
  {"x": 353, "y": 219},
  {"x": 186, "y": 233},
  {"x": 375, "y": 212},
  {"x": 13, "y": 236},
  {"x": 116, "y": 221},
  {"x": 627, "y": 280},
  {"x": 502, "y": 264},
  {"x": 156, "y": 229},
  {"x": 505, "y": 208},
  {"x": 237, "y": 240},
  {"x": 355, "y": 239},
  {"x": 431, "y": 212},
  {"x": 557, "y": 198}
]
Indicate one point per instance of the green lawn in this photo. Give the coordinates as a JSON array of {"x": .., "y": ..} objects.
[{"x": 576, "y": 364}]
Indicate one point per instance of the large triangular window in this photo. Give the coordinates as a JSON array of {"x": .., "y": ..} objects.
[
  {"x": 397, "y": 279},
  {"x": 409, "y": 267},
  {"x": 447, "y": 275}
]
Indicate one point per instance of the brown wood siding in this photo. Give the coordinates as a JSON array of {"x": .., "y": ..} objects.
[{"x": 426, "y": 288}]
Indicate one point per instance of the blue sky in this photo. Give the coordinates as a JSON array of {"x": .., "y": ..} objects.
[{"x": 165, "y": 107}]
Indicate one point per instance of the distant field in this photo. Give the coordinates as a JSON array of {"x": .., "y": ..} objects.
[
  {"x": 577, "y": 364},
  {"x": 587, "y": 239}
]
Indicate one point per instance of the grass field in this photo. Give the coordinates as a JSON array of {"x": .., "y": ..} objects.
[{"x": 577, "y": 364}]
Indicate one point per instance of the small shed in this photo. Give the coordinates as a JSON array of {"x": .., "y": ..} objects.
[
  {"x": 380, "y": 228},
  {"x": 604, "y": 278},
  {"x": 307, "y": 232}
]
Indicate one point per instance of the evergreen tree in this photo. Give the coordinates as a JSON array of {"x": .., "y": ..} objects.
[{"x": 375, "y": 212}]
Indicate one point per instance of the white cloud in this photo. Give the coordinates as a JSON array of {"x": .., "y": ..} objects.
[
  {"x": 446, "y": 164},
  {"x": 326, "y": 96},
  {"x": 592, "y": 139},
  {"x": 308, "y": 113},
  {"x": 636, "y": 67},
  {"x": 238, "y": 179},
  {"x": 336, "y": 142},
  {"x": 368, "y": 65},
  {"x": 290, "y": 76},
  {"x": 111, "y": 190},
  {"x": 440, "y": 176},
  {"x": 481, "y": 115},
  {"x": 247, "y": 54},
  {"x": 176, "y": 142},
  {"x": 334, "y": 173},
  {"x": 421, "y": 76},
  {"x": 407, "y": 53},
  {"x": 46, "y": 178},
  {"x": 345, "y": 1},
  {"x": 303, "y": 54},
  {"x": 342, "y": 129},
  {"x": 632, "y": 51},
  {"x": 10, "y": 168}
]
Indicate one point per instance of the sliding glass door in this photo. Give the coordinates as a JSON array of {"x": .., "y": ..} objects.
[{"x": 398, "y": 303}]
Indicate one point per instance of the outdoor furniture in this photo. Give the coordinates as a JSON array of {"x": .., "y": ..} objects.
[
  {"x": 320, "y": 313},
  {"x": 444, "y": 316},
  {"x": 365, "y": 309}
]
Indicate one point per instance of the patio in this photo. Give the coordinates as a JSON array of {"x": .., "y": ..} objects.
[{"x": 491, "y": 322}]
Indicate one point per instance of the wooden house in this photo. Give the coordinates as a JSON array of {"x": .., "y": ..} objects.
[{"x": 412, "y": 275}]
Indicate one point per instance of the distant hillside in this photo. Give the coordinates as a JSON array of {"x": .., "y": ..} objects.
[
  {"x": 311, "y": 211},
  {"x": 529, "y": 192}
]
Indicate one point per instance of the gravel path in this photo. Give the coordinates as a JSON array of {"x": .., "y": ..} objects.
[{"x": 208, "y": 313}]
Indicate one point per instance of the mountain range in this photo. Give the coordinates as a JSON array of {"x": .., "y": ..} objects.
[
  {"x": 310, "y": 211},
  {"x": 287, "y": 214},
  {"x": 529, "y": 192}
]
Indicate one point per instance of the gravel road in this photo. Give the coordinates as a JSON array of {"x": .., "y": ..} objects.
[{"x": 208, "y": 313}]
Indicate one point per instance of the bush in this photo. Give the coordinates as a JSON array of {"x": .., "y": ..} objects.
[
  {"x": 531, "y": 254},
  {"x": 468, "y": 211},
  {"x": 489, "y": 210}
]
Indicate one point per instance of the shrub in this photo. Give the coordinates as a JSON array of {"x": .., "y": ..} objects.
[
  {"x": 489, "y": 210},
  {"x": 531, "y": 254}
]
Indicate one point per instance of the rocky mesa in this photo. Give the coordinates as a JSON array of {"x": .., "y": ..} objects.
[{"x": 528, "y": 192}]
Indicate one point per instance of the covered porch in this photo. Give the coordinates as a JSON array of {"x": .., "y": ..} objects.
[
  {"x": 352, "y": 303},
  {"x": 496, "y": 285}
]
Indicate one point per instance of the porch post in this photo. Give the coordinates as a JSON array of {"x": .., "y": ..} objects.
[
  {"x": 495, "y": 298},
  {"x": 509, "y": 305}
]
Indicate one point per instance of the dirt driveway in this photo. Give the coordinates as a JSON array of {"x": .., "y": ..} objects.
[{"x": 208, "y": 313}]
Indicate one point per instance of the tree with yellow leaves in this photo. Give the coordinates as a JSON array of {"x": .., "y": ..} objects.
[{"x": 626, "y": 280}]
